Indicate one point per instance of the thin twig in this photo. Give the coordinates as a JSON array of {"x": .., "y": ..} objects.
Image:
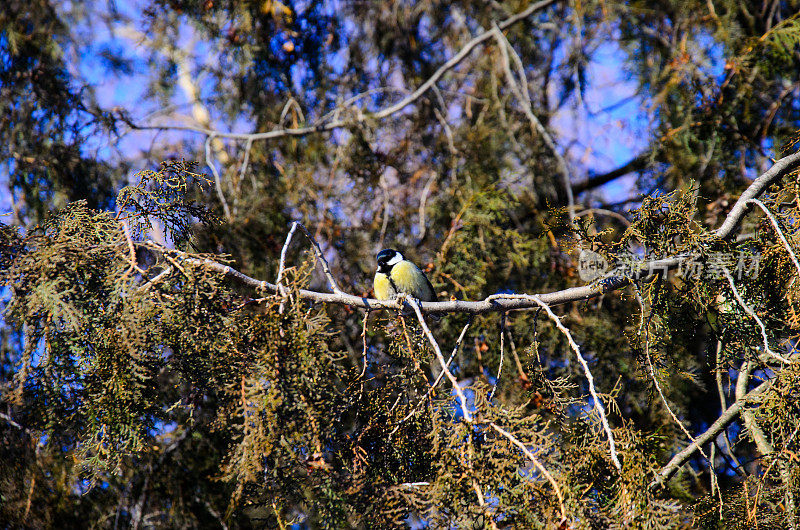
[
  {"x": 502, "y": 349},
  {"x": 11, "y": 422},
  {"x": 155, "y": 279},
  {"x": 724, "y": 405},
  {"x": 282, "y": 263},
  {"x": 217, "y": 179},
  {"x": 520, "y": 370},
  {"x": 758, "y": 320},
  {"x": 778, "y": 230},
  {"x": 422, "y": 202},
  {"x": 383, "y": 113},
  {"x": 725, "y": 419},
  {"x": 652, "y": 371},
  {"x": 385, "y": 212},
  {"x": 598, "y": 406},
  {"x": 524, "y": 98},
  {"x": 511, "y": 438},
  {"x": 461, "y": 397},
  {"x": 452, "y": 355},
  {"x": 764, "y": 446},
  {"x": 131, "y": 250},
  {"x": 242, "y": 172},
  {"x": 595, "y": 211},
  {"x": 364, "y": 340},
  {"x": 432, "y": 388},
  {"x": 326, "y": 269}
]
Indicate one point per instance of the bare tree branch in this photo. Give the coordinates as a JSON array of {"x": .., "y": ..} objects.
[
  {"x": 498, "y": 302},
  {"x": 635, "y": 164},
  {"x": 282, "y": 263},
  {"x": 754, "y": 190},
  {"x": 758, "y": 320},
  {"x": 460, "y": 393},
  {"x": 502, "y": 350},
  {"x": 725, "y": 419},
  {"x": 438, "y": 378},
  {"x": 383, "y": 113},
  {"x": 646, "y": 328},
  {"x": 520, "y": 90},
  {"x": 598, "y": 406},
  {"x": 212, "y": 165},
  {"x": 778, "y": 231},
  {"x": 511, "y": 438}
]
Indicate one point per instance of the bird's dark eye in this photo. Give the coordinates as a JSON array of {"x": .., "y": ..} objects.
[{"x": 384, "y": 256}]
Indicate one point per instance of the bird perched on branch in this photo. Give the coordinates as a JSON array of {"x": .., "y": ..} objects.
[{"x": 397, "y": 275}]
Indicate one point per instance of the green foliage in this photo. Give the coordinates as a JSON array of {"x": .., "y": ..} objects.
[
  {"x": 142, "y": 385},
  {"x": 163, "y": 195}
]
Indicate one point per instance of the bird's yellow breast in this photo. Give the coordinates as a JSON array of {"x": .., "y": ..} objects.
[{"x": 383, "y": 287}]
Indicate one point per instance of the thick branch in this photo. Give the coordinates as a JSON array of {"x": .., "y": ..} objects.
[
  {"x": 635, "y": 164},
  {"x": 510, "y": 302},
  {"x": 754, "y": 190}
]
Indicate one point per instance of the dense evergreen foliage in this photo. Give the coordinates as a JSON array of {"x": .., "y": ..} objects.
[{"x": 143, "y": 383}]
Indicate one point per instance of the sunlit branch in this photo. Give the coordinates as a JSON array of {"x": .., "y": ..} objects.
[
  {"x": 758, "y": 320},
  {"x": 502, "y": 302},
  {"x": 755, "y": 189},
  {"x": 282, "y": 263},
  {"x": 452, "y": 355},
  {"x": 460, "y": 393},
  {"x": 511, "y": 438},
  {"x": 439, "y": 377},
  {"x": 502, "y": 351},
  {"x": 217, "y": 178},
  {"x": 598, "y": 406},
  {"x": 725, "y": 419},
  {"x": 651, "y": 369},
  {"x": 778, "y": 231},
  {"x": 364, "y": 343}
]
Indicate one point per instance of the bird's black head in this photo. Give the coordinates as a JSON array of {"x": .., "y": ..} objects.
[{"x": 387, "y": 258}]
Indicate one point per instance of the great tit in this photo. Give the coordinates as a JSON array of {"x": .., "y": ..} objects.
[{"x": 396, "y": 275}]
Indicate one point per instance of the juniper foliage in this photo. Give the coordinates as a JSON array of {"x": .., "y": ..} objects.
[{"x": 142, "y": 386}]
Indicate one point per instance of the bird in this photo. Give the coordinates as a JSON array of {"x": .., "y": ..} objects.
[{"x": 397, "y": 275}]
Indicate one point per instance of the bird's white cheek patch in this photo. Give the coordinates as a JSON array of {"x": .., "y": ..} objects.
[{"x": 395, "y": 260}]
